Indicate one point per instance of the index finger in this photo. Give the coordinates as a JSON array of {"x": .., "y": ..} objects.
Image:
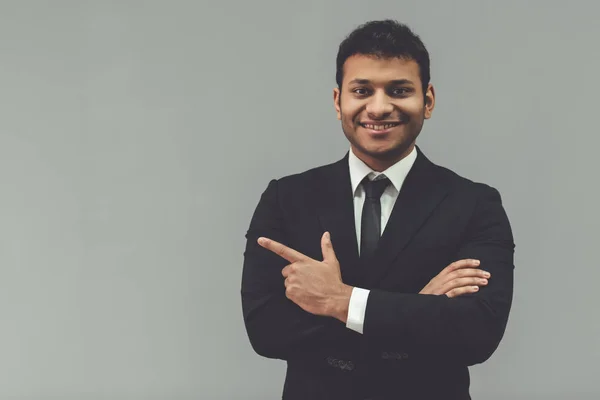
[
  {"x": 281, "y": 250},
  {"x": 471, "y": 263}
]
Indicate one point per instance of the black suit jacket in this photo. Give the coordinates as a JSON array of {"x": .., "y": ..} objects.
[{"x": 413, "y": 346}]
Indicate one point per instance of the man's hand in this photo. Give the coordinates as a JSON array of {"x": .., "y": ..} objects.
[
  {"x": 315, "y": 286},
  {"x": 458, "y": 278}
]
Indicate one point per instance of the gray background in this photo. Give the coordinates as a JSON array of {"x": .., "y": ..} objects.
[{"x": 137, "y": 136}]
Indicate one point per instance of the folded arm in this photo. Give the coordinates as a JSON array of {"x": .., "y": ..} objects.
[{"x": 465, "y": 329}]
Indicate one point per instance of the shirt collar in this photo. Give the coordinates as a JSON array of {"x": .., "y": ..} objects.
[{"x": 396, "y": 173}]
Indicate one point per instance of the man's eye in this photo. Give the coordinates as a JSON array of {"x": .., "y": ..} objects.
[
  {"x": 400, "y": 91},
  {"x": 361, "y": 91}
]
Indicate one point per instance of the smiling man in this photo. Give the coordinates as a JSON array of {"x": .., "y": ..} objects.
[
  {"x": 382, "y": 275},
  {"x": 382, "y": 106}
]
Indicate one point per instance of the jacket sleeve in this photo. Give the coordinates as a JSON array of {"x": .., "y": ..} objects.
[
  {"x": 463, "y": 330},
  {"x": 276, "y": 327}
]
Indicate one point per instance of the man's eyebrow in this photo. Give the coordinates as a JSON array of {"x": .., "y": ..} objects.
[
  {"x": 360, "y": 81},
  {"x": 402, "y": 82},
  {"x": 393, "y": 82}
]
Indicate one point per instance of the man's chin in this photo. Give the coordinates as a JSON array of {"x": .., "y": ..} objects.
[
  {"x": 386, "y": 153},
  {"x": 382, "y": 152}
]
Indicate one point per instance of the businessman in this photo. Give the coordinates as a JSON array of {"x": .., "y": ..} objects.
[{"x": 382, "y": 275}]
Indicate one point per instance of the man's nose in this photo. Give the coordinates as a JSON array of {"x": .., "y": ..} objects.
[{"x": 379, "y": 105}]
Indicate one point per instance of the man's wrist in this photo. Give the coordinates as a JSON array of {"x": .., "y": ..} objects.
[{"x": 340, "y": 303}]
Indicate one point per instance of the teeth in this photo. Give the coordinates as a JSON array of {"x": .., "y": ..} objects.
[{"x": 379, "y": 127}]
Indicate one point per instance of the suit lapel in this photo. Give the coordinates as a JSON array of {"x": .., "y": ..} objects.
[
  {"x": 335, "y": 207},
  {"x": 422, "y": 191}
]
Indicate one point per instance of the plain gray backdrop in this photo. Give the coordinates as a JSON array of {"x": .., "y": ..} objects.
[{"x": 137, "y": 136}]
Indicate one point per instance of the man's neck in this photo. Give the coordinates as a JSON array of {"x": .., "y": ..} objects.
[{"x": 380, "y": 165}]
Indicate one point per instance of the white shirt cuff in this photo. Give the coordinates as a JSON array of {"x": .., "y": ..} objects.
[{"x": 356, "y": 309}]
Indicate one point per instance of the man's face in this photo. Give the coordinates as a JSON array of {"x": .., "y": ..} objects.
[{"x": 382, "y": 108}]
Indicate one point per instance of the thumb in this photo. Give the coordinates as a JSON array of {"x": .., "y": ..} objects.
[{"x": 327, "y": 248}]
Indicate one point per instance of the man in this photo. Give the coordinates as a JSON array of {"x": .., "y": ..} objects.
[{"x": 382, "y": 275}]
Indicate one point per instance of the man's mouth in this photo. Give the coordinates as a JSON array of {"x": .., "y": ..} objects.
[{"x": 381, "y": 126}]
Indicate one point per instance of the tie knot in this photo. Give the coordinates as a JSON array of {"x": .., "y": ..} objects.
[{"x": 375, "y": 188}]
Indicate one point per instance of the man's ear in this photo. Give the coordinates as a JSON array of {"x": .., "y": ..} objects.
[
  {"x": 337, "y": 102},
  {"x": 429, "y": 101}
]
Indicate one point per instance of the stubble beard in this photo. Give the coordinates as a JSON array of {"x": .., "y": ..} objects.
[{"x": 393, "y": 153}]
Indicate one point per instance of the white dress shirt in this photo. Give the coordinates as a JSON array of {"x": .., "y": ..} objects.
[{"x": 396, "y": 174}]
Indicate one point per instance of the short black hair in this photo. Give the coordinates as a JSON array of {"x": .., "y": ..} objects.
[{"x": 384, "y": 39}]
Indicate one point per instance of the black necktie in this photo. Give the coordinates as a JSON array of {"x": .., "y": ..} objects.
[{"x": 370, "y": 229}]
